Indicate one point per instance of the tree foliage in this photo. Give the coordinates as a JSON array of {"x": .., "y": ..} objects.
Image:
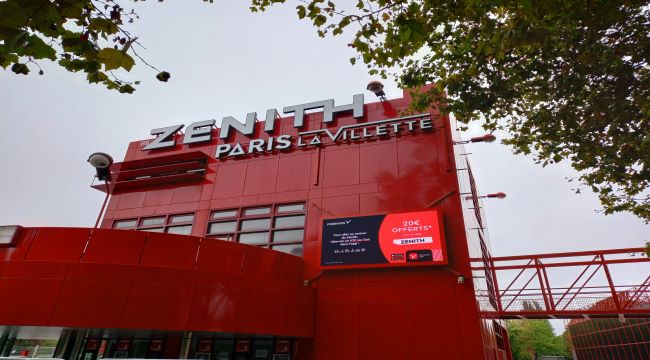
[
  {"x": 81, "y": 35},
  {"x": 567, "y": 79},
  {"x": 530, "y": 339}
]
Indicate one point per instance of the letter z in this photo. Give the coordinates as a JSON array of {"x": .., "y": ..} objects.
[{"x": 165, "y": 137}]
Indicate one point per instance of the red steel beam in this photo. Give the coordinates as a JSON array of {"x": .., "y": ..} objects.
[
  {"x": 568, "y": 254},
  {"x": 575, "y": 282},
  {"x": 572, "y": 263}
]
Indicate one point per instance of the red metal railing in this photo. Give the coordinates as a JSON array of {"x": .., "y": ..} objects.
[{"x": 604, "y": 283}]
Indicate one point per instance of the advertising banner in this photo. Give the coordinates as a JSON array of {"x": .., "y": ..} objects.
[{"x": 400, "y": 239}]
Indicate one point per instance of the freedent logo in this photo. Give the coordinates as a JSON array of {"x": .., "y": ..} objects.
[{"x": 201, "y": 131}]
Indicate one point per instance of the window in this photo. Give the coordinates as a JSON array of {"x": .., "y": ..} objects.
[
  {"x": 125, "y": 224},
  {"x": 280, "y": 227},
  {"x": 153, "y": 221},
  {"x": 173, "y": 224}
]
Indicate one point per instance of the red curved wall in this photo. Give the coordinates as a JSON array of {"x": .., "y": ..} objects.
[{"x": 140, "y": 280}]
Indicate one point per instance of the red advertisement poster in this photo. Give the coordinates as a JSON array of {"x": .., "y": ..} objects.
[{"x": 399, "y": 239}]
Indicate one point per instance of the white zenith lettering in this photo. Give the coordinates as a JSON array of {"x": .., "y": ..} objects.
[{"x": 412, "y": 241}]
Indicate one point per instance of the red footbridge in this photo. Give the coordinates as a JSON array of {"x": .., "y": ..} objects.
[{"x": 570, "y": 285}]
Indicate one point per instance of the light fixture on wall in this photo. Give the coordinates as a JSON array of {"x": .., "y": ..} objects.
[
  {"x": 487, "y": 138},
  {"x": 102, "y": 163},
  {"x": 378, "y": 89}
]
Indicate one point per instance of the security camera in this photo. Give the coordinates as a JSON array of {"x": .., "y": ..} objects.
[{"x": 102, "y": 162}]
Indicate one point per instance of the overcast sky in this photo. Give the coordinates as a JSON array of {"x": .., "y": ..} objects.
[{"x": 225, "y": 61}]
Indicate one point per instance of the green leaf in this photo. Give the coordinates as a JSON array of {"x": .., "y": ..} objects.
[
  {"x": 302, "y": 12},
  {"x": 319, "y": 20},
  {"x": 73, "y": 65},
  {"x": 17, "y": 41},
  {"x": 126, "y": 88},
  {"x": 97, "y": 77},
  {"x": 12, "y": 15},
  {"x": 8, "y": 59},
  {"x": 9, "y": 33},
  {"x": 72, "y": 11},
  {"x": 103, "y": 25},
  {"x": 37, "y": 48},
  {"x": 113, "y": 59}
]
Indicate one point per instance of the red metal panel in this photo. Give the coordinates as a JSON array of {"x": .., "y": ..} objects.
[
  {"x": 28, "y": 300},
  {"x": 418, "y": 193},
  {"x": 374, "y": 319},
  {"x": 433, "y": 334},
  {"x": 169, "y": 250},
  {"x": 186, "y": 194},
  {"x": 160, "y": 299},
  {"x": 220, "y": 256},
  {"x": 341, "y": 205},
  {"x": 158, "y": 197},
  {"x": 230, "y": 177},
  {"x": 216, "y": 308},
  {"x": 291, "y": 268},
  {"x": 58, "y": 244},
  {"x": 90, "y": 304},
  {"x": 36, "y": 270},
  {"x": 115, "y": 247},
  {"x": 417, "y": 156},
  {"x": 130, "y": 200},
  {"x": 93, "y": 295},
  {"x": 378, "y": 162},
  {"x": 341, "y": 166},
  {"x": 259, "y": 262},
  {"x": 261, "y": 175},
  {"x": 293, "y": 172},
  {"x": 337, "y": 331},
  {"x": 300, "y": 314},
  {"x": 379, "y": 202}
]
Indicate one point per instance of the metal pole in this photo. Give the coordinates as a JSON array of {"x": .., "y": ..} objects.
[{"x": 101, "y": 212}]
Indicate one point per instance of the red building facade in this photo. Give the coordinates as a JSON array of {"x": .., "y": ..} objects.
[{"x": 228, "y": 262}]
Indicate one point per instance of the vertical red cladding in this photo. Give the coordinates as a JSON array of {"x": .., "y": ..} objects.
[{"x": 397, "y": 313}]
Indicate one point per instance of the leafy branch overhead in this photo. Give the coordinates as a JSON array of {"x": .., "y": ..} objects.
[
  {"x": 569, "y": 80},
  {"x": 82, "y": 35}
]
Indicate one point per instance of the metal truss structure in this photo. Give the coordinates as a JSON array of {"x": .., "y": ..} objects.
[{"x": 586, "y": 284}]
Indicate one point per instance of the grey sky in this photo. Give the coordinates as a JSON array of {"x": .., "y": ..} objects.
[{"x": 227, "y": 61}]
